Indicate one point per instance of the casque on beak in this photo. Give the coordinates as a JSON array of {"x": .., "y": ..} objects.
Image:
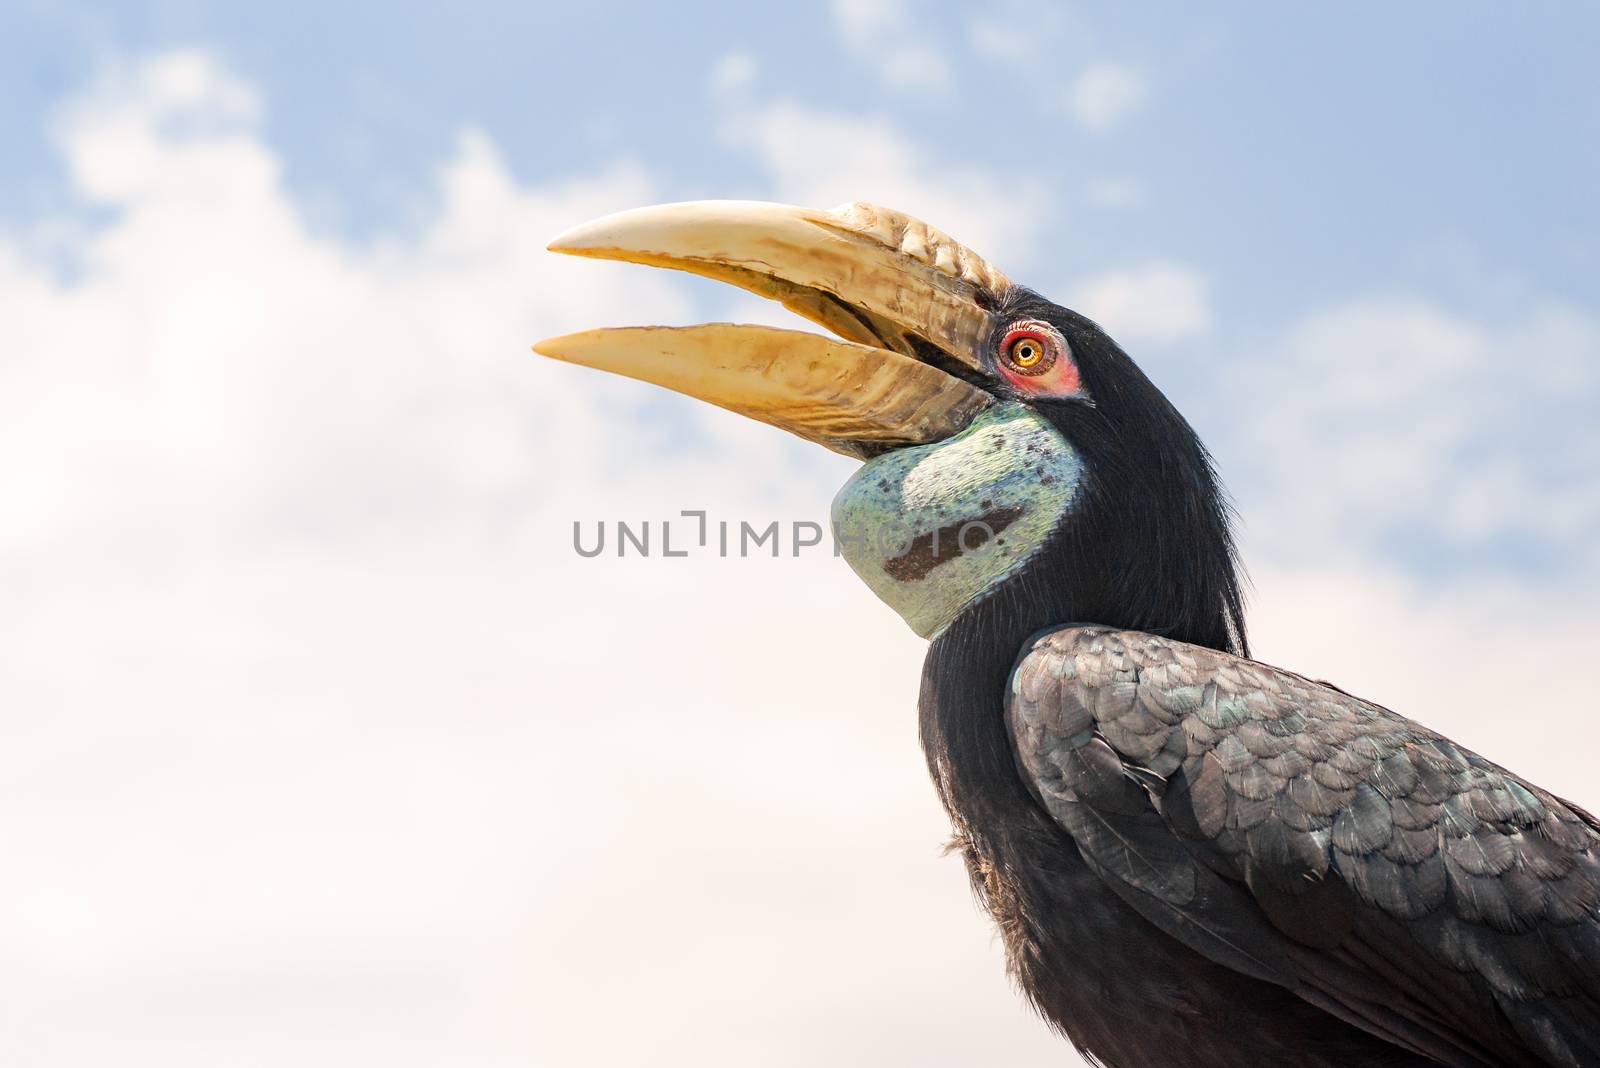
[{"x": 909, "y": 306}]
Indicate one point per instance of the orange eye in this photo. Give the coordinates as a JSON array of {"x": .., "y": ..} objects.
[
  {"x": 1028, "y": 352},
  {"x": 1035, "y": 360}
]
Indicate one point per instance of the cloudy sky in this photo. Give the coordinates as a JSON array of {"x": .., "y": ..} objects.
[{"x": 323, "y": 746}]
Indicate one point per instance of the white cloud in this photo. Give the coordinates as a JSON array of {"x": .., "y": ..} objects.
[
  {"x": 116, "y": 146},
  {"x": 734, "y": 72},
  {"x": 331, "y": 750},
  {"x": 1104, "y": 94},
  {"x": 1154, "y": 304},
  {"x": 1017, "y": 31},
  {"x": 886, "y": 34},
  {"x": 992, "y": 38},
  {"x": 823, "y": 158},
  {"x": 1452, "y": 433}
]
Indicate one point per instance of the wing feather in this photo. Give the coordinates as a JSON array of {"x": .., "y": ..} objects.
[{"x": 1296, "y": 833}]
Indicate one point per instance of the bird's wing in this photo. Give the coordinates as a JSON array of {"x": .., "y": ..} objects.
[{"x": 1288, "y": 830}]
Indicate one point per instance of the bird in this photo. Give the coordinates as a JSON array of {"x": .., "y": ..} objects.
[{"x": 1193, "y": 858}]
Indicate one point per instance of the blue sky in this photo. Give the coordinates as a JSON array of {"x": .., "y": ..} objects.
[
  {"x": 1441, "y": 154},
  {"x": 1444, "y": 147},
  {"x": 325, "y": 735}
]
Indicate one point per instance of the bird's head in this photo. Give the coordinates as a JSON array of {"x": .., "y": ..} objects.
[{"x": 1009, "y": 444}]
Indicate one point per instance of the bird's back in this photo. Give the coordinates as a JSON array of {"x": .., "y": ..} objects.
[{"x": 1204, "y": 860}]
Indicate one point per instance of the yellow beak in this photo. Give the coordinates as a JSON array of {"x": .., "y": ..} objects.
[{"x": 909, "y": 303}]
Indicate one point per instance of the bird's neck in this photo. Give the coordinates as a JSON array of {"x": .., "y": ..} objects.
[
  {"x": 961, "y": 720},
  {"x": 968, "y": 667}
]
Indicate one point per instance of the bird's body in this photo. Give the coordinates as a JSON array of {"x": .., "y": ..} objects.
[
  {"x": 1189, "y": 851},
  {"x": 1194, "y": 859},
  {"x": 1120, "y": 988}
]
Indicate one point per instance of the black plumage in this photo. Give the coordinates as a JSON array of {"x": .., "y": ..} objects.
[
  {"x": 1206, "y": 840},
  {"x": 1194, "y": 859},
  {"x": 1198, "y": 859}
]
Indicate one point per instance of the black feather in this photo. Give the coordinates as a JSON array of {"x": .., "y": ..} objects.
[{"x": 1209, "y": 862}]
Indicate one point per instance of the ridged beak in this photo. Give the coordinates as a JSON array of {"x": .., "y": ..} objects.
[{"x": 908, "y": 305}]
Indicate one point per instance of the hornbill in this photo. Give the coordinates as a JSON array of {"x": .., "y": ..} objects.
[{"x": 1193, "y": 858}]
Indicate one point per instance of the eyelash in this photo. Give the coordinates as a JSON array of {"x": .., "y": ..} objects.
[{"x": 1051, "y": 345}]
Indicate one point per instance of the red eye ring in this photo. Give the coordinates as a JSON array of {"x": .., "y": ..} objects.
[{"x": 1030, "y": 347}]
